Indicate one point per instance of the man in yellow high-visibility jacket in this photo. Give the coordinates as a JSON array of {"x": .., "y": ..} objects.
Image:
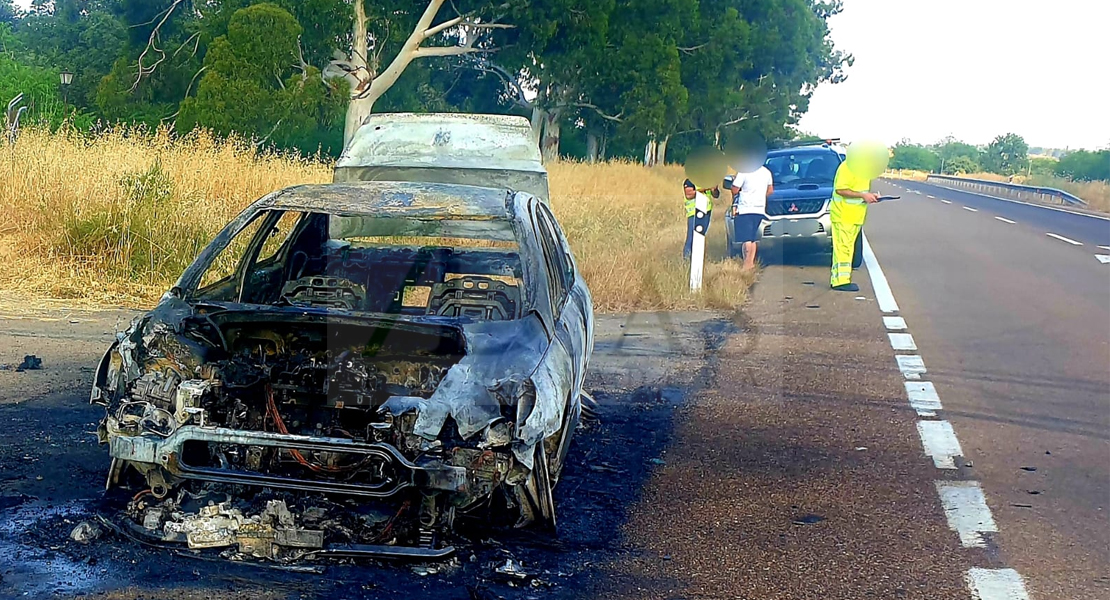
[{"x": 848, "y": 209}]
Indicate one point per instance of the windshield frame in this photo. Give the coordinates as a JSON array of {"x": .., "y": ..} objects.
[
  {"x": 188, "y": 285},
  {"x": 793, "y": 155}
]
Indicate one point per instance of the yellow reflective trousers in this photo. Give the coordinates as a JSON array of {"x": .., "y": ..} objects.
[{"x": 847, "y": 220}]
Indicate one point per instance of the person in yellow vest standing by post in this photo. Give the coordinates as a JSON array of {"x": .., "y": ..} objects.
[
  {"x": 691, "y": 192},
  {"x": 848, "y": 209}
]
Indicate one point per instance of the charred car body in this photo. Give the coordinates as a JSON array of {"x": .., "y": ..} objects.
[{"x": 349, "y": 368}]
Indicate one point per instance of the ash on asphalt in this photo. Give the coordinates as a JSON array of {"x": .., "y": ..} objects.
[{"x": 51, "y": 479}]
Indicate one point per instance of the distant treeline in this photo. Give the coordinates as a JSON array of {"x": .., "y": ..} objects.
[{"x": 1007, "y": 155}]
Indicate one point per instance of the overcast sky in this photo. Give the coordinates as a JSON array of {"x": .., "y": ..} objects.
[{"x": 971, "y": 68}]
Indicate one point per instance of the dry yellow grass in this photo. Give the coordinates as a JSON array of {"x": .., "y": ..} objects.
[
  {"x": 114, "y": 218},
  {"x": 626, "y": 227},
  {"x": 906, "y": 174}
]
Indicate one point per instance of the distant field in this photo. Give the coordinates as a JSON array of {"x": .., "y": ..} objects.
[{"x": 115, "y": 219}]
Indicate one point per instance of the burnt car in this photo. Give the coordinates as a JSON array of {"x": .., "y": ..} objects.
[{"x": 350, "y": 368}]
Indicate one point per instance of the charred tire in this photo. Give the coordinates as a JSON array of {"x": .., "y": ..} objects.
[
  {"x": 558, "y": 454},
  {"x": 538, "y": 489}
]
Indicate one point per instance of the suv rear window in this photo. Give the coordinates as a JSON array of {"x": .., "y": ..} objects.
[{"x": 792, "y": 169}]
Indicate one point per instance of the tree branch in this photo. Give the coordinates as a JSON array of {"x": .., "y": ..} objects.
[
  {"x": 258, "y": 144},
  {"x": 616, "y": 119},
  {"x": 511, "y": 82},
  {"x": 151, "y": 44},
  {"x": 444, "y": 51},
  {"x": 448, "y": 24},
  {"x": 746, "y": 117},
  {"x": 692, "y": 49}
]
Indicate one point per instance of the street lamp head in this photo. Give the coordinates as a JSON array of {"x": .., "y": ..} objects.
[{"x": 66, "y": 77}]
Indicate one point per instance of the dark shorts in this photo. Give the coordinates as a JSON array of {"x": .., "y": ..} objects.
[{"x": 746, "y": 228}]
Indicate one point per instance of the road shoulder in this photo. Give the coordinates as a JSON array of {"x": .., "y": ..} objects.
[{"x": 797, "y": 472}]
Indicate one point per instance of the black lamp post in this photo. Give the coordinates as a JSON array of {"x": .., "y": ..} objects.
[{"x": 66, "y": 78}]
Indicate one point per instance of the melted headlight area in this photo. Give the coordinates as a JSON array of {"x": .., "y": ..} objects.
[{"x": 216, "y": 424}]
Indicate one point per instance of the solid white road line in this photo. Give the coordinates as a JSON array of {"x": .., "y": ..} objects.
[
  {"x": 939, "y": 440},
  {"x": 996, "y": 584},
  {"x": 967, "y": 511},
  {"x": 1105, "y": 247},
  {"x": 894, "y": 323},
  {"x": 1103, "y": 258},
  {"x": 883, "y": 295},
  {"x": 901, "y": 341},
  {"x": 971, "y": 209},
  {"x": 911, "y": 366},
  {"x": 946, "y": 201},
  {"x": 1006, "y": 220},
  {"x": 923, "y": 398},
  {"x": 1064, "y": 239}
]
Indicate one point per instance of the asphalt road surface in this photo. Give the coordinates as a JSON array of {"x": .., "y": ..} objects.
[{"x": 1009, "y": 307}]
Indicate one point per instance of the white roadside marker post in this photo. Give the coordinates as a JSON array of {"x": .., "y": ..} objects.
[{"x": 697, "y": 255}]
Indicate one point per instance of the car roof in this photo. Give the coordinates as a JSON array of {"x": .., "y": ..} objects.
[
  {"x": 444, "y": 140},
  {"x": 814, "y": 149},
  {"x": 397, "y": 199}
]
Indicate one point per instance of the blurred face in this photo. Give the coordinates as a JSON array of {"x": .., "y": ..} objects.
[
  {"x": 869, "y": 159},
  {"x": 747, "y": 151},
  {"x": 706, "y": 167}
]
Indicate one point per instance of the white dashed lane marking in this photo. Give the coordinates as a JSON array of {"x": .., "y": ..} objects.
[
  {"x": 912, "y": 367},
  {"x": 946, "y": 201},
  {"x": 894, "y": 323},
  {"x": 939, "y": 440},
  {"x": 971, "y": 209},
  {"x": 1103, "y": 258},
  {"x": 965, "y": 505},
  {"x": 1006, "y": 220},
  {"x": 1105, "y": 247},
  {"x": 931, "y": 197},
  {"x": 1064, "y": 239},
  {"x": 902, "y": 341},
  {"x": 996, "y": 584},
  {"x": 923, "y": 398},
  {"x": 966, "y": 509}
]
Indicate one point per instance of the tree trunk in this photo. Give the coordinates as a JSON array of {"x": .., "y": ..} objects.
[
  {"x": 360, "y": 104},
  {"x": 537, "y": 124},
  {"x": 649, "y": 152},
  {"x": 661, "y": 151},
  {"x": 358, "y": 110},
  {"x": 552, "y": 120},
  {"x": 592, "y": 147},
  {"x": 367, "y": 85}
]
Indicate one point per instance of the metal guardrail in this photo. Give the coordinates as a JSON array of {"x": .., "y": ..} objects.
[{"x": 1011, "y": 190}]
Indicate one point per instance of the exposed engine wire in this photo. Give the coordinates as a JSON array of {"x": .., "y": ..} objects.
[{"x": 272, "y": 412}]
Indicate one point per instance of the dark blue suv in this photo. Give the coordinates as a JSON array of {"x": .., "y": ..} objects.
[{"x": 798, "y": 210}]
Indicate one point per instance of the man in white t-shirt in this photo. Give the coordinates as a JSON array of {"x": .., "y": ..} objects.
[{"x": 749, "y": 207}]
